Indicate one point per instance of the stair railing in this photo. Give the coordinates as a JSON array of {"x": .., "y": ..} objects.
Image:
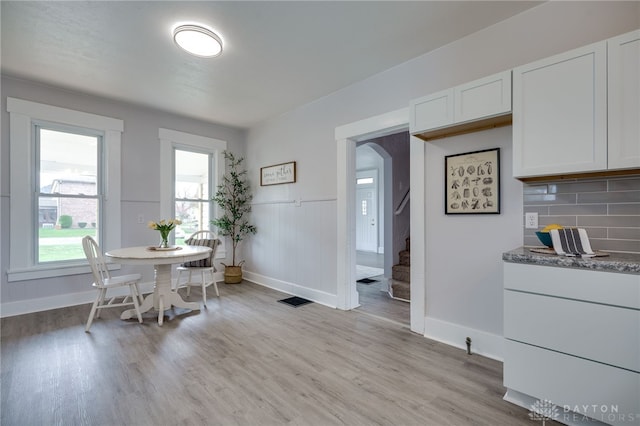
[{"x": 403, "y": 203}]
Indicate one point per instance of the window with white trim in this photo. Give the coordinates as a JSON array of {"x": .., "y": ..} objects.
[
  {"x": 68, "y": 187},
  {"x": 197, "y": 166},
  {"x": 192, "y": 180},
  {"x": 65, "y": 183}
]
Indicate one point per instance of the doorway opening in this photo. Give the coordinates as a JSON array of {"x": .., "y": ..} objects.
[
  {"x": 347, "y": 136},
  {"x": 379, "y": 226}
]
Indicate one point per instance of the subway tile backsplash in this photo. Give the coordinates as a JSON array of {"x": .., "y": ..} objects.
[{"x": 608, "y": 208}]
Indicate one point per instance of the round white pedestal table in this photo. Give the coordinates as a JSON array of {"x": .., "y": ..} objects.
[{"x": 162, "y": 297}]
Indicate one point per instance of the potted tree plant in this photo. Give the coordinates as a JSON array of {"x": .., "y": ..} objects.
[{"x": 233, "y": 196}]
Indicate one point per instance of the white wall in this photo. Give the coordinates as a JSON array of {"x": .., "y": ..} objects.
[
  {"x": 463, "y": 259},
  {"x": 140, "y": 187},
  {"x": 306, "y": 135}
]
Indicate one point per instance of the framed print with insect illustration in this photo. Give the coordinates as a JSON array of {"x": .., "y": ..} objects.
[{"x": 472, "y": 182}]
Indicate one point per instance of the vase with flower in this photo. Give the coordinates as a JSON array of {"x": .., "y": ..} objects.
[{"x": 164, "y": 227}]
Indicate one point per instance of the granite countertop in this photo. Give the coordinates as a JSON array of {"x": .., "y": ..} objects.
[{"x": 616, "y": 262}]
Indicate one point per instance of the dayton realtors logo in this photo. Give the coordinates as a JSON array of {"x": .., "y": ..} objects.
[{"x": 544, "y": 410}]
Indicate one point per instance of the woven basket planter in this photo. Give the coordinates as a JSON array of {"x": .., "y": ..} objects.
[{"x": 232, "y": 274}]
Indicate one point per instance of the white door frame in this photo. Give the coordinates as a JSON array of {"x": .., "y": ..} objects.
[{"x": 346, "y": 137}]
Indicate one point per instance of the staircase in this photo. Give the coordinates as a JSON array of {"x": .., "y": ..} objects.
[{"x": 400, "y": 287}]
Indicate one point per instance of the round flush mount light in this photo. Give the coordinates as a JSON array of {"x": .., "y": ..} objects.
[{"x": 198, "y": 40}]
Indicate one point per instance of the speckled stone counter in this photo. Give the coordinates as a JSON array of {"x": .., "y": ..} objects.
[{"x": 616, "y": 262}]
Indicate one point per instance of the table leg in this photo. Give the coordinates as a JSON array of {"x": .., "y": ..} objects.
[
  {"x": 170, "y": 298},
  {"x": 162, "y": 297}
]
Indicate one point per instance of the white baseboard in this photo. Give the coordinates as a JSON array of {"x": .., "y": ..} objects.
[
  {"x": 482, "y": 343},
  {"x": 317, "y": 296},
  {"x": 29, "y": 306}
]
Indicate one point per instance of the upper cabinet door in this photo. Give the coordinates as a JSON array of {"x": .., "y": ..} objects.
[
  {"x": 431, "y": 112},
  {"x": 483, "y": 98},
  {"x": 560, "y": 113},
  {"x": 477, "y": 105},
  {"x": 624, "y": 100}
]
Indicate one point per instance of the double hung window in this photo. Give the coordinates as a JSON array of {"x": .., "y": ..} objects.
[
  {"x": 192, "y": 183},
  {"x": 65, "y": 184},
  {"x": 197, "y": 165},
  {"x": 68, "y": 188}
]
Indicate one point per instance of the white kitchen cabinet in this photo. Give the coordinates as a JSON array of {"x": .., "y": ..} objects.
[
  {"x": 483, "y": 98},
  {"x": 432, "y": 112},
  {"x": 549, "y": 321},
  {"x": 471, "y": 106},
  {"x": 578, "y": 387},
  {"x": 572, "y": 336},
  {"x": 624, "y": 101},
  {"x": 560, "y": 113}
]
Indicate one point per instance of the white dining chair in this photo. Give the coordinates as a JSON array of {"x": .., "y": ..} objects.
[
  {"x": 103, "y": 281},
  {"x": 202, "y": 267}
]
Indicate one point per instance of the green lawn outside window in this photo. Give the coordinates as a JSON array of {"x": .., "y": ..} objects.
[{"x": 68, "y": 243}]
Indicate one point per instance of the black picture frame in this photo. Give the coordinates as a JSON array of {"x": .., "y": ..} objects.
[{"x": 472, "y": 182}]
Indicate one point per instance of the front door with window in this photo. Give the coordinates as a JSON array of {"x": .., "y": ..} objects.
[{"x": 367, "y": 210}]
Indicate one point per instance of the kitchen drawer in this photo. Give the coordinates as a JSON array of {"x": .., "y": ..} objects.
[
  {"x": 587, "y": 387},
  {"x": 582, "y": 284},
  {"x": 602, "y": 333}
]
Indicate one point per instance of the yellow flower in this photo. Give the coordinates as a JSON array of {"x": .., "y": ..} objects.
[{"x": 164, "y": 225}]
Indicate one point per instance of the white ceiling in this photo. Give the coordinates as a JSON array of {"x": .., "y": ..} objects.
[{"x": 278, "y": 54}]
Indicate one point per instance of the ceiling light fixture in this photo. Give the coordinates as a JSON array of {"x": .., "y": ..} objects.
[{"x": 198, "y": 40}]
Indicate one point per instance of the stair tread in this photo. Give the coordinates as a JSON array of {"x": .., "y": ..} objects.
[
  {"x": 404, "y": 258},
  {"x": 401, "y": 290},
  {"x": 401, "y": 274},
  {"x": 402, "y": 267}
]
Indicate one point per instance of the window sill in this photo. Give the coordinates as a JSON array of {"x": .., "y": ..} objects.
[{"x": 39, "y": 272}]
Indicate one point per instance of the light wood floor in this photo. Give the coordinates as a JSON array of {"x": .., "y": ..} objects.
[
  {"x": 374, "y": 301},
  {"x": 246, "y": 360},
  {"x": 367, "y": 258}
]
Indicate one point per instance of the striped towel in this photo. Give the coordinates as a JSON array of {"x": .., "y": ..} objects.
[{"x": 571, "y": 242}]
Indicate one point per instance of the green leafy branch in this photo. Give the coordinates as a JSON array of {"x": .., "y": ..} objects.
[{"x": 233, "y": 196}]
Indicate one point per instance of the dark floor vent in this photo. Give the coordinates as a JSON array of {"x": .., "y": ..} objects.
[{"x": 295, "y": 301}]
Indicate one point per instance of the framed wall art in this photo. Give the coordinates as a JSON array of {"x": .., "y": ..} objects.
[
  {"x": 472, "y": 182},
  {"x": 278, "y": 174}
]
